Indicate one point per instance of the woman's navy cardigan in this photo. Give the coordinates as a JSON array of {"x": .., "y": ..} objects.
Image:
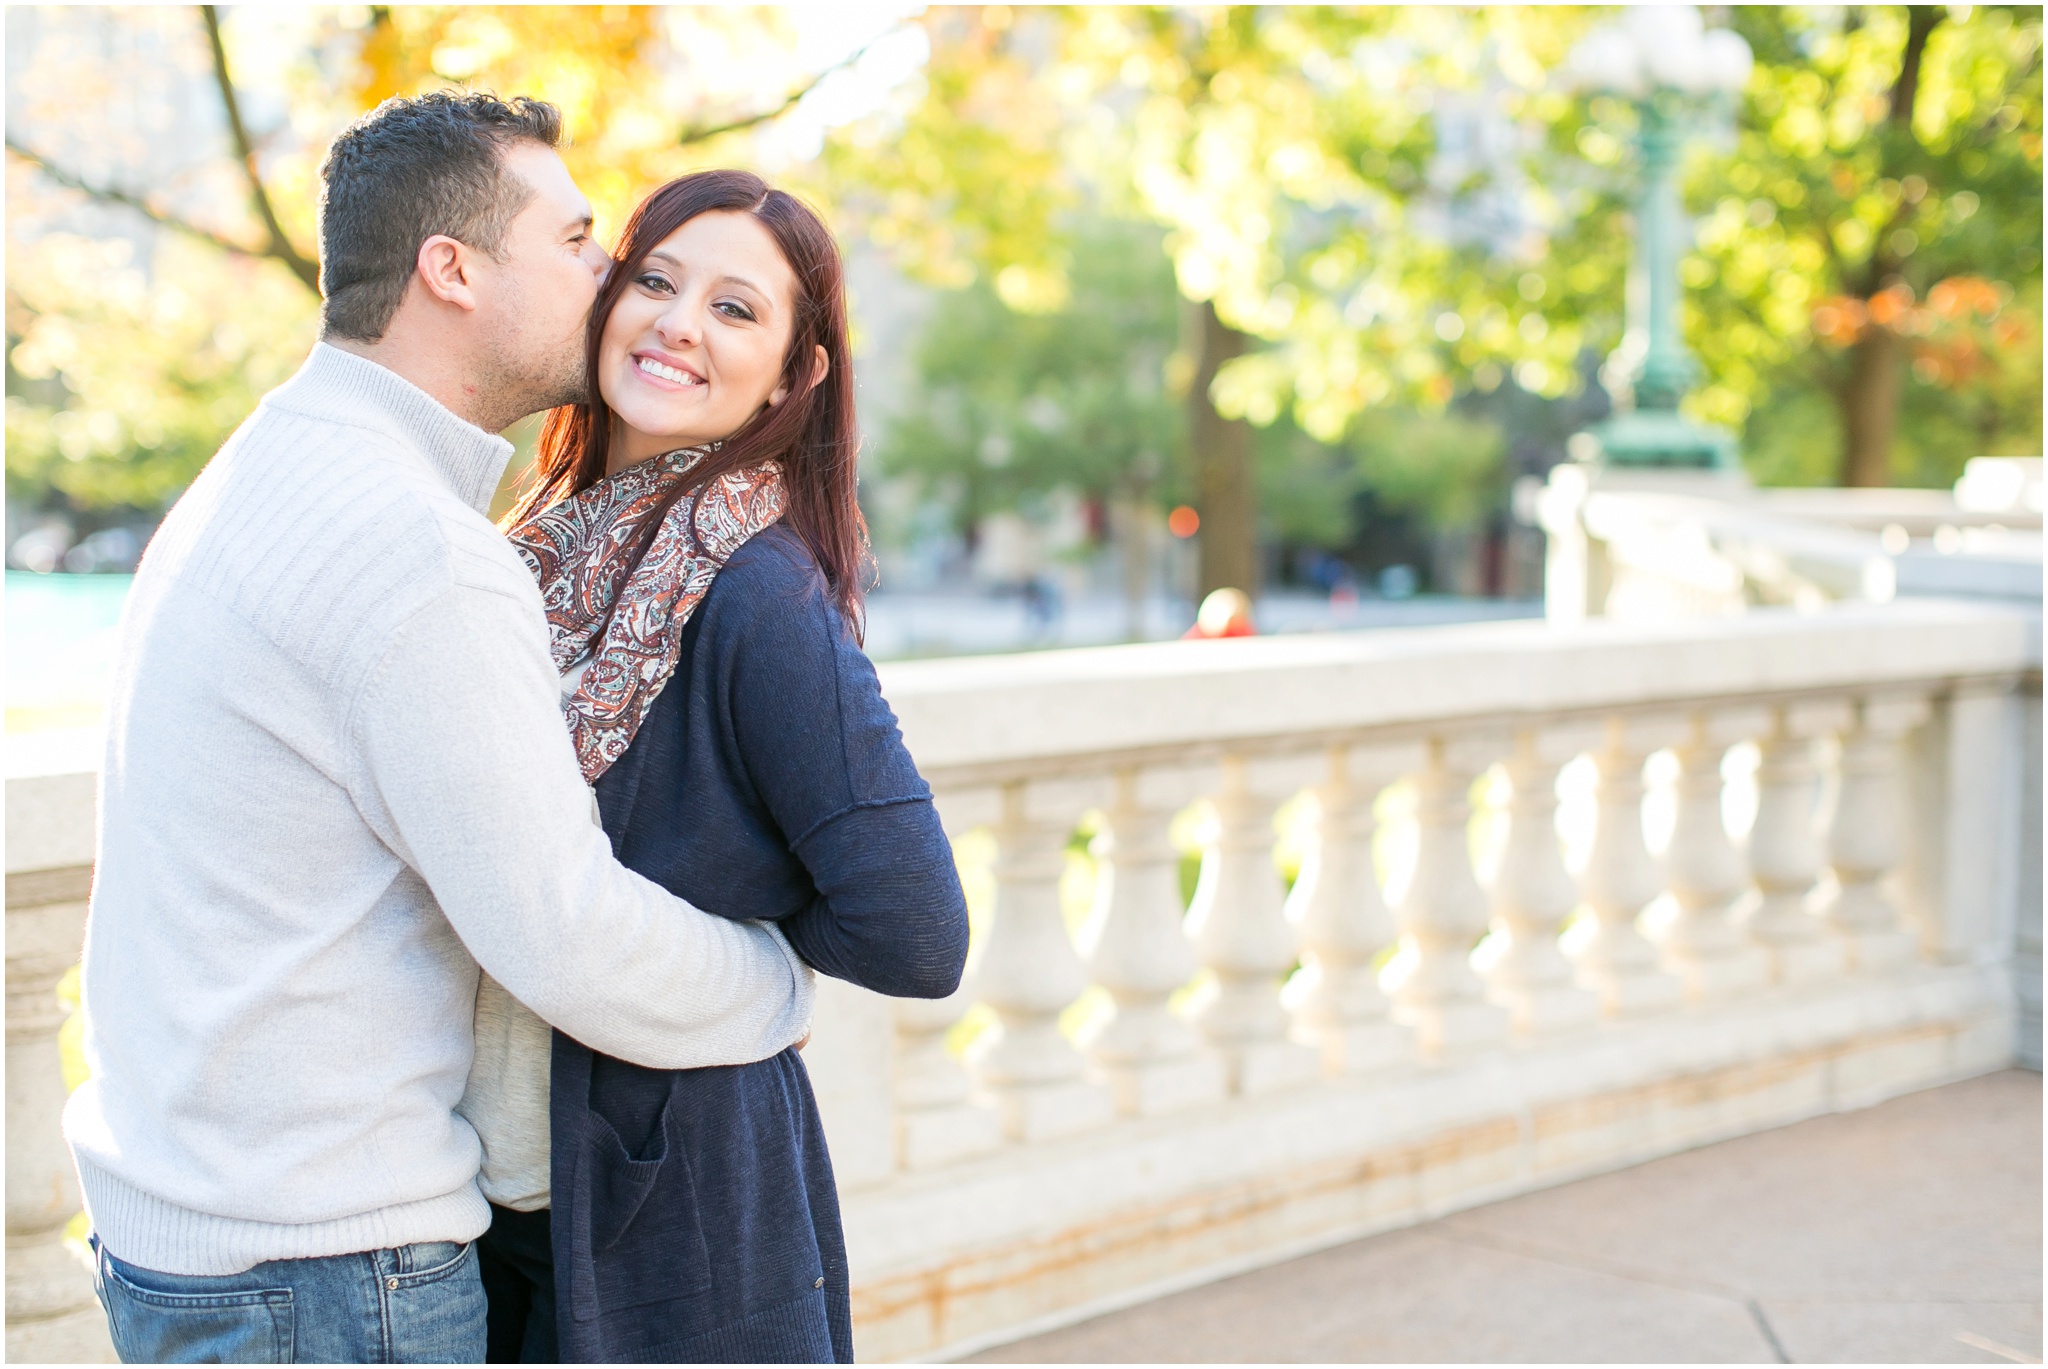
[{"x": 694, "y": 1213}]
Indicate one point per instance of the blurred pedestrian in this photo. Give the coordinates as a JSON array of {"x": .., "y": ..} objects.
[
  {"x": 1041, "y": 606},
  {"x": 1225, "y": 613}
]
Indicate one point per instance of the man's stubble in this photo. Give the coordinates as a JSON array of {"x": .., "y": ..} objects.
[{"x": 523, "y": 374}]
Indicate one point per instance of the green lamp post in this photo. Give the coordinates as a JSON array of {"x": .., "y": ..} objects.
[{"x": 1665, "y": 62}]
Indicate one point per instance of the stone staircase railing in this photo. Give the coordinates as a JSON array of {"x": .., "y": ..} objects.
[{"x": 1567, "y": 898}]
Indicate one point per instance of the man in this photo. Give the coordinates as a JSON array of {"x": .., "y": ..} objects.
[{"x": 337, "y": 781}]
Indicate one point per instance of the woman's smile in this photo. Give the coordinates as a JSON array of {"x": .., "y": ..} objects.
[{"x": 664, "y": 373}]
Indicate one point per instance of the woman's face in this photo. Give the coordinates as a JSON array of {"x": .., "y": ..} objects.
[{"x": 694, "y": 347}]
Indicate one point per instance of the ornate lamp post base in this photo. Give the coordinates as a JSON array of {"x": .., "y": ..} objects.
[
  {"x": 1664, "y": 61},
  {"x": 1663, "y": 438}
]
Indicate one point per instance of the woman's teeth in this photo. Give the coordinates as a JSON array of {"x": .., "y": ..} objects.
[{"x": 655, "y": 368}]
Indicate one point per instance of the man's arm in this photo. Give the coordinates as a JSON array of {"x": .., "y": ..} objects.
[{"x": 466, "y": 754}]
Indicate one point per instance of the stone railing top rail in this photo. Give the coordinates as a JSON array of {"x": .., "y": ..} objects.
[
  {"x": 971, "y": 720},
  {"x": 1690, "y": 537},
  {"x": 1919, "y": 512}
]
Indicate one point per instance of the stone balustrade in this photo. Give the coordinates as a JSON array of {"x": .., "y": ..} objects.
[
  {"x": 52, "y": 1315},
  {"x": 1799, "y": 863}
]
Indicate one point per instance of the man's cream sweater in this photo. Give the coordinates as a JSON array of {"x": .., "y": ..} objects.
[{"x": 336, "y": 782}]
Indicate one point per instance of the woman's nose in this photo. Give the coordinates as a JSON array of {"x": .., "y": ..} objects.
[{"x": 678, "y": 327}]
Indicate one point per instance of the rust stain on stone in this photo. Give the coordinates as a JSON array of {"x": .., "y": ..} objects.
[
  {"x": 923, "y": 1310},
  {"x": 1134, "y": 1232}
]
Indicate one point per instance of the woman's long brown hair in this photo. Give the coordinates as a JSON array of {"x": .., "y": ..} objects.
[{"x": 811, "y": 433}]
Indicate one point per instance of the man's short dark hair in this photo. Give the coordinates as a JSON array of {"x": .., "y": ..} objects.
[{"x": 410, "y": 169}]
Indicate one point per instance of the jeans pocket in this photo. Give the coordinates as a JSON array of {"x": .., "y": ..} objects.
[
  {"x": 431, "y": 1261},
  {"x": 436, "y": 1311},
  {"x": 157, "y": 1326}
]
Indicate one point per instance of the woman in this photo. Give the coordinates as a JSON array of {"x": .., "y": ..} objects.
[{"x": 700, "y": 553}]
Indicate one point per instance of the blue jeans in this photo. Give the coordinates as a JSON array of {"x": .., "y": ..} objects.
[{"x": 418, "y": 1304}]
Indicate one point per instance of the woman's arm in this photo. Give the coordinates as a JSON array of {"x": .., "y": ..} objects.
[
  {"x": 823, "y": 752},
  {"x": 889, "y": 914}
]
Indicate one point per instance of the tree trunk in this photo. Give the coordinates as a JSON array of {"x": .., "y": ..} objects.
[
  {"x": 1870, "y": 406},
  {"x": 1225, "y": 494},
  {"x": 1870, "y": 397},
  {"x": 1920, "y": 22}
]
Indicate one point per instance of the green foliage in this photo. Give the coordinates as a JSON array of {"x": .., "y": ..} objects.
[
  {"x": 1072, "y": 174},
  {"x": 1013, "y": 405},
  {"x": 122, "y": 381},
  {"x": 1443, "y": 467},
  {"x": 1296, "y": 158},
  {"x": 1010, "y": 406},
  {"x": 1831, "y": 216},
  {"x": 124, "y": 376},
  {"x": 1794, "y": 436},
  {"x": 1291, "y": 155},
  {"x": 1305, "y": 487},
  {"x": 972, "y": 182}
]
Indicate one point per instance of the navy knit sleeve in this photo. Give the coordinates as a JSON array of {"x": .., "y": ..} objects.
[{"x": 822, "y": 750}]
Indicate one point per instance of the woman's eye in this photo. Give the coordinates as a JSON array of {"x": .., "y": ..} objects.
[
  {"x": 656, "y": 283},
  {"x": 734, "y": 309}
]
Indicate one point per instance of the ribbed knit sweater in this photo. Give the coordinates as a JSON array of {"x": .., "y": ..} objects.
[{"x": 337, "y": 782}]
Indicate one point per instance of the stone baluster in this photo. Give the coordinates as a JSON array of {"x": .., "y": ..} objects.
[
  {"x": 937, "y": 1118},
  {"x": 1137, "y": 949},
  {"x": 1785, "y": 854},
  {"x": 1243, "y": 938},
  {"x": 1614, "y": 958},
  {"x": 1866, "y": 833},
  {"x": 51, "y": 1312},
  {"x": 1028, "y": 976},
  {"x": 1701, "y": 942},
  {"x": 1442, "y": 911},
  {"x": 1532, "y": 895},
  {"x": 1343, "y": 922}
]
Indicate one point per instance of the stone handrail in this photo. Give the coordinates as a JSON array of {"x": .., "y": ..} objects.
[
  {"x": 1659, "y": 544},
  {"x": 1798, "y": 862}
]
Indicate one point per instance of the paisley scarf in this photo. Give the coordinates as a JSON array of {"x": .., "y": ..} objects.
[{"x": 624, "y": 624}]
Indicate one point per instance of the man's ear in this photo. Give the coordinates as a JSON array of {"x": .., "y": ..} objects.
[{"x": 447, "y": 271}]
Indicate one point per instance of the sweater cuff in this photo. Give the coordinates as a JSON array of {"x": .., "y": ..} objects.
[{"x": 796, "y": 1024}]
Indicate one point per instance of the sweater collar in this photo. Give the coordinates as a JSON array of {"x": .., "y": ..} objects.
[{"x": 342, "y": 387}]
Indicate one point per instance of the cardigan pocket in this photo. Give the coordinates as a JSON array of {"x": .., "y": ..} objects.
[
  {"x": 646, "y": 1238},
  {"x": 619, "y": 1180}
]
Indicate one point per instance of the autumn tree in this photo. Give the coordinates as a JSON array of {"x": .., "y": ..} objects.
[
  {"x": 1876, "y": 228},
  {"x": 1289, "y": 156},
  {"x": 127, "y": 364}
]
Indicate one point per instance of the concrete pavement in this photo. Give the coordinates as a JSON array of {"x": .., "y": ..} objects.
[{"x": 1907, "y": 1232}]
